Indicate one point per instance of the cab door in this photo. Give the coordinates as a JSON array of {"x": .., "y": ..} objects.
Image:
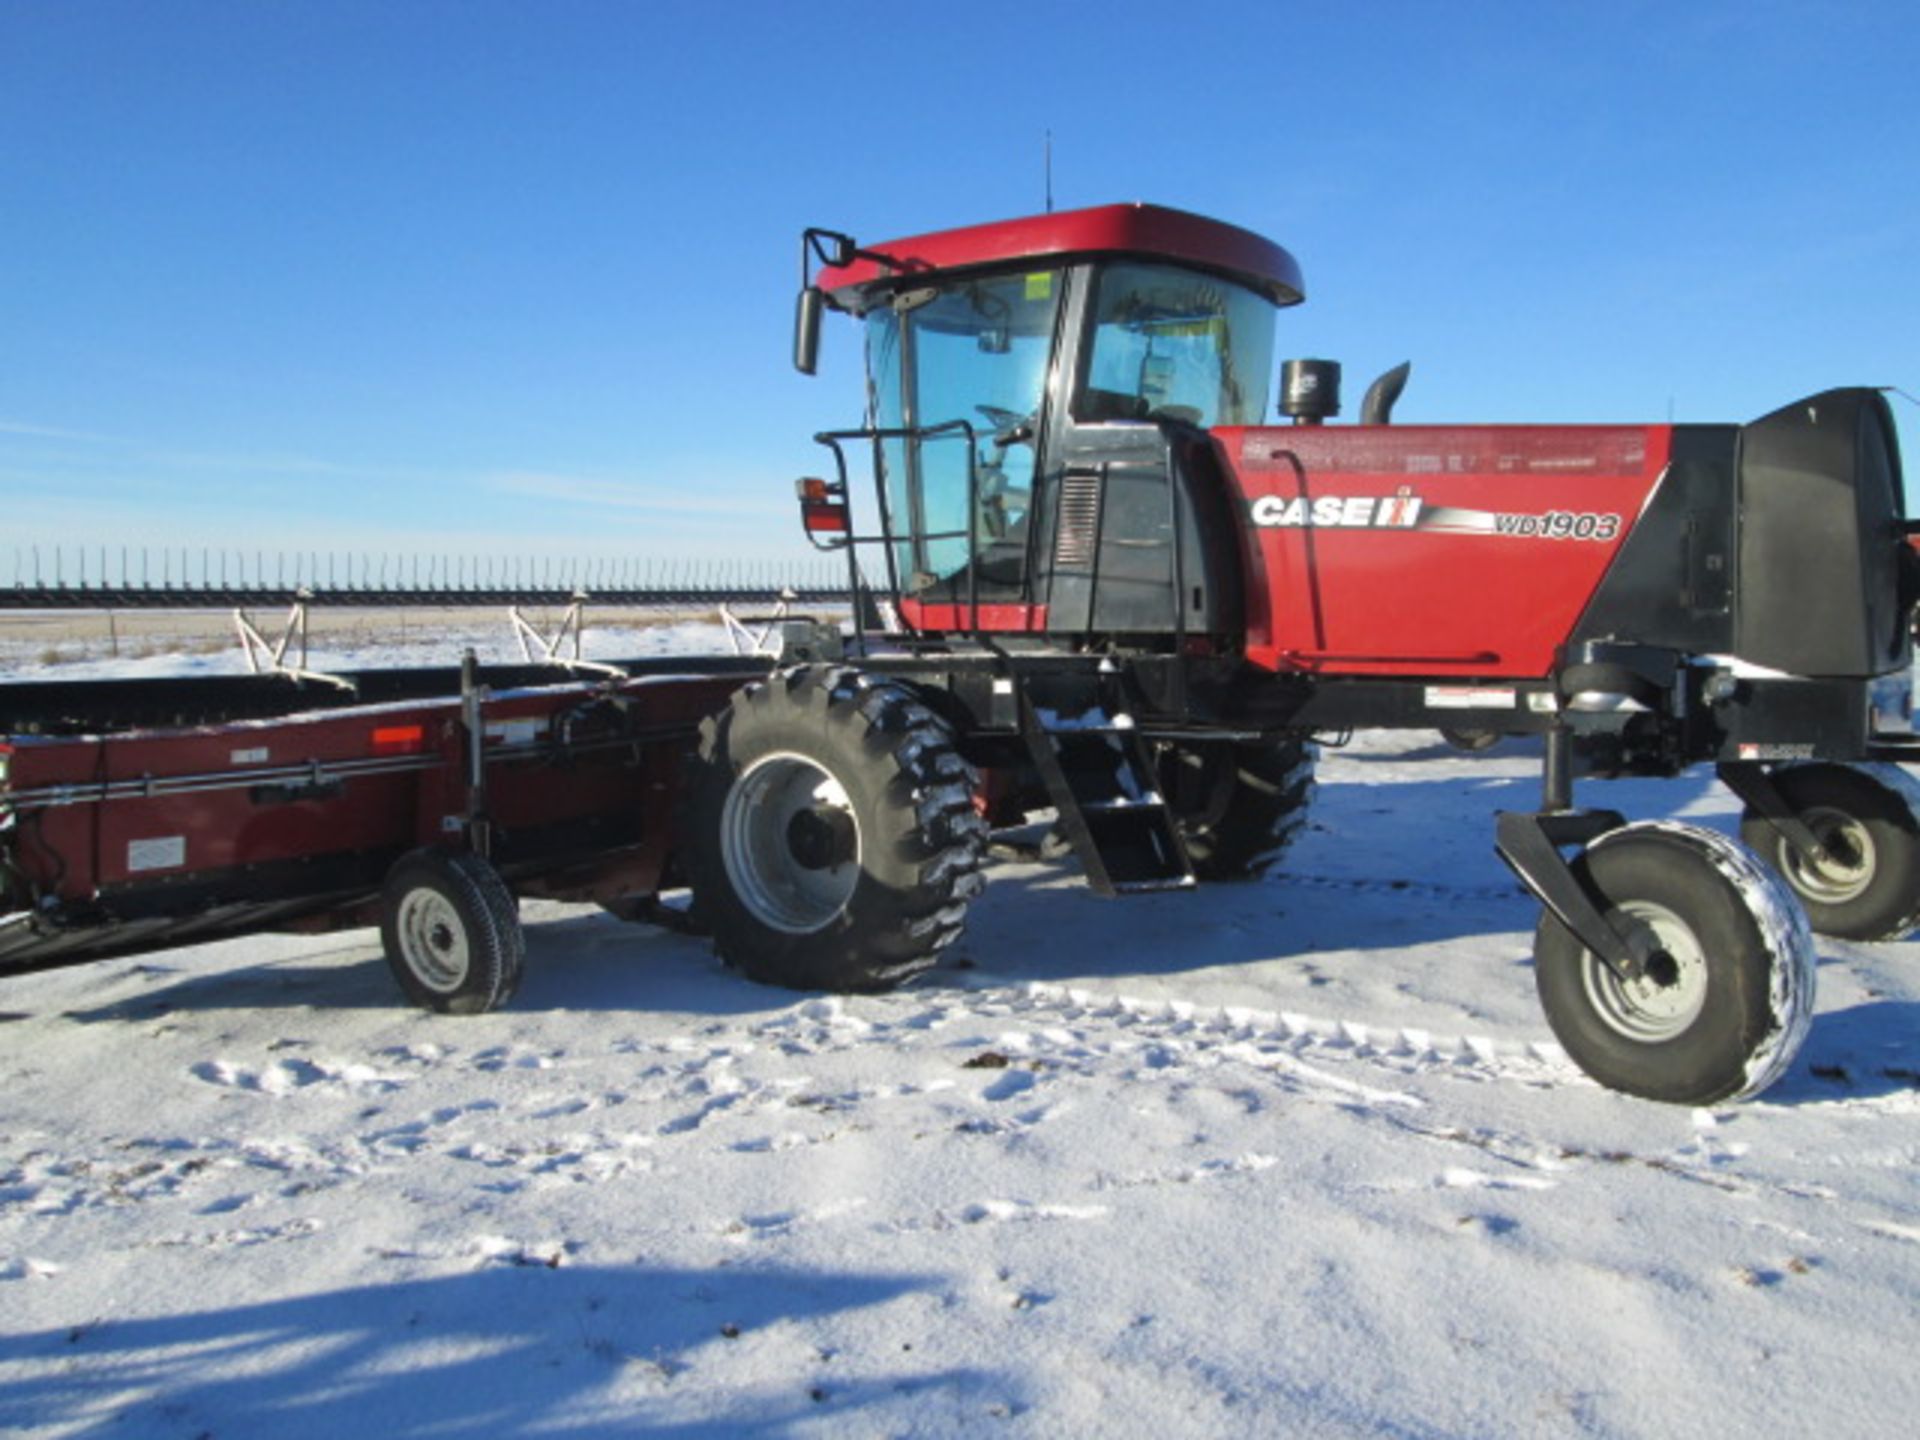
[
  {"x": 960, "y": 373},
  {"x": 1142, "y": 534}
]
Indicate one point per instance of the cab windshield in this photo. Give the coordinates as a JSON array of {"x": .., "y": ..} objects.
[
  {"x": 1174, "y": 344},
  {"x": 975, "y": 351}
]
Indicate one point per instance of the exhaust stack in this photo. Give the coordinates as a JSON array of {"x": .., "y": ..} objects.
[{"x": 1384, "y": 394}]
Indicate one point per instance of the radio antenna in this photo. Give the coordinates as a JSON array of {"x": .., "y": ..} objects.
[{"x": 1049, "y": 172}]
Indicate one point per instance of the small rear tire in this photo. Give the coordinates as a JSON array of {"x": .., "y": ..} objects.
[
  {"x": 1724, "y": 1004},
  {"x": 451, "y": 929},
  {"x": 1867, "y": 887}
]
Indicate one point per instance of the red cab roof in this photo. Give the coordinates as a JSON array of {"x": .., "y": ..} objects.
[{"x": 1146, "y": 231}]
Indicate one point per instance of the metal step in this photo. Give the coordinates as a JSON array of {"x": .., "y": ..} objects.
[
  {"x": 1148, "y": 887},
  {"x": 1099, "y": 807},
  {"x": 1101, "y": 781}
]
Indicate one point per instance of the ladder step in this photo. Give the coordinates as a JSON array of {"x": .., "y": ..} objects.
[
  {"x": 1137, "y": 844},
  {"x": 1145, "y": 805},
  {"x": 1096, "y": 722},
  {"x": 1143, "y": 887}
]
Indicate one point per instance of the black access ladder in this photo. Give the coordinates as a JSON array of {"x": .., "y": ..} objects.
[{"x": 1100, "y": 776}]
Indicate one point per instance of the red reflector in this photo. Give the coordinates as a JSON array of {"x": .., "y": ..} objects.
[
  {"x": 831, "y": 518},
  {"x": 399, "y": 739}
]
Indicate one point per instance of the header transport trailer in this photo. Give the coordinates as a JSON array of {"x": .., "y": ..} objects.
[
  {"x": 1089, "y": 578},
  {"x": 145, "y": 813}
]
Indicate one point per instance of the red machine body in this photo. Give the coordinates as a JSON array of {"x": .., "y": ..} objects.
[
  {"x": 1070, "y": 450},
  {"x": 1430, "y": 550}
]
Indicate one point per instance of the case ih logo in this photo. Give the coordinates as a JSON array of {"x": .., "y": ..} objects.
[
  {"x": 1340, "y": 512},
  {"x": 1408, "y": 511}
]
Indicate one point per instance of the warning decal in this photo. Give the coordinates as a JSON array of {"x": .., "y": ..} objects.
[{"x": 168, "y": 852}]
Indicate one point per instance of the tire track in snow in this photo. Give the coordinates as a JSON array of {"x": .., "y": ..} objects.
[
  {"x": 771, "y": 1082},
  {"x": 1262, "y": 1036},
  {"x": 1432, "y": 889}
]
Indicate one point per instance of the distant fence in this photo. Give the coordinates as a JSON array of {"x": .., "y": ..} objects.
[{"x": 100, "y": 578}]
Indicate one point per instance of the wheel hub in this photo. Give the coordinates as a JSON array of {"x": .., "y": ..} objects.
[
  {"x": 1847, "y": 867},
  {"x": 791, "y": 843},
  {"x": 821, "y": 838},
  {"x": 432, "y": 942},
  {"x": 1668, "y": 995}
]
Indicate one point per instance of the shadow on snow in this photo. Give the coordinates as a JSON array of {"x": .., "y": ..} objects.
[
  {"x": 1866, "y": 1050},
  {"x": 511, "y": 1349}
]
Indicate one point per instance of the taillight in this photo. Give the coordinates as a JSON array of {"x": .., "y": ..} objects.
[
  {"x": 399, "y": 739},
  {"x": 823, "y": 507}
]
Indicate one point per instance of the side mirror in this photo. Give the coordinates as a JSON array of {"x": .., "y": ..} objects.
[
  {"x": 836, "y": 251},
  {"x": 806, "y": 330}
]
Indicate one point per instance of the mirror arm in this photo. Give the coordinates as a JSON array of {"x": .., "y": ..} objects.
[{"x": 834, "y": 251}]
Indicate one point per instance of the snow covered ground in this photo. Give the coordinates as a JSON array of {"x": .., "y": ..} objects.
[{"x": 1293, "y": 1157}]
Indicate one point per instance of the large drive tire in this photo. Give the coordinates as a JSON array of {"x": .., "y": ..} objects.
[
  {"x": 1239, "y": 805},
  {"x": 452, "y": 932},
  {"x": 831, "y": 835},
  {"x": 1723, "y": 1008},
  {"x": 1865, "y": 817}
]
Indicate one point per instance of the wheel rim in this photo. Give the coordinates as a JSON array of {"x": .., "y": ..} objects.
[
  {"x": 1669, "y": 997},
  {"x": 1848, "y": 868},
  {"x": 433, "y": 942},
  {"x": 791, "y": 843}
]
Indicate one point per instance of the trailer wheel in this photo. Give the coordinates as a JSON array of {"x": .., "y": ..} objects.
[
  {"x": 831, "y": 835},
  {"x": 1724, "y": 1004},
  {"x": 1867, "y": 818},
  {"x": 452, "y": 932},
  {"x": 1239, "y": 805}
]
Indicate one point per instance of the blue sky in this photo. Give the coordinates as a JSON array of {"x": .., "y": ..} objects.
[{"x": 482, "y": 277}]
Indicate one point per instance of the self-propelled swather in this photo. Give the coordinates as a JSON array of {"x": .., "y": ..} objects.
[{"x": 1092, "y": 579}]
